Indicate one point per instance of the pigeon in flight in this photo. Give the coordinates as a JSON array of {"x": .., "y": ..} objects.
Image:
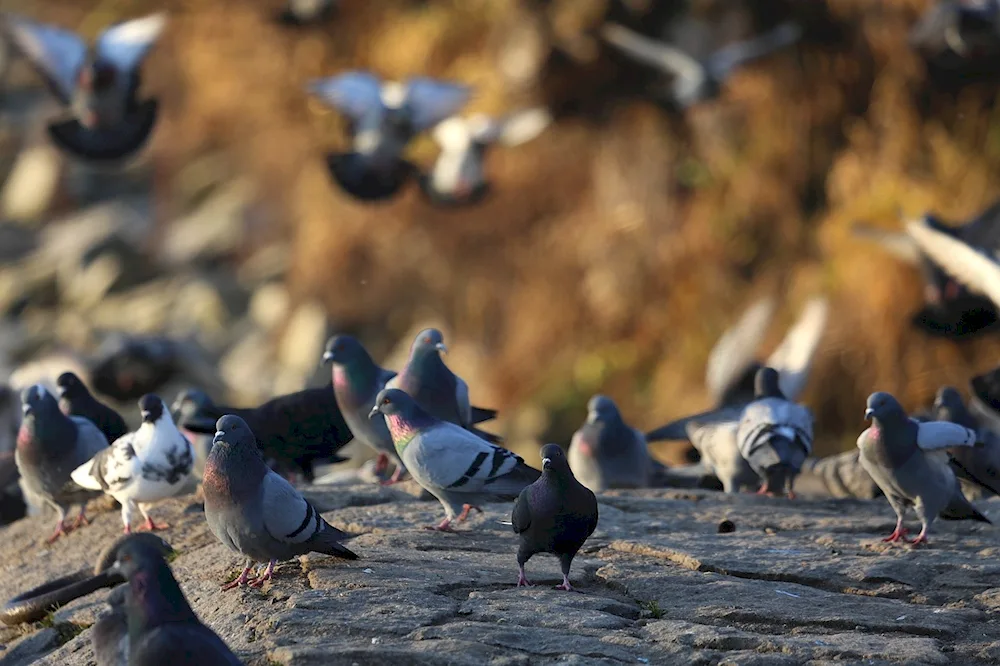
[
  {"x": 99, "y": 86},
  {"x": 384, "y": 117},
  {"x": 695, "y": 81},
  {"x": 76, "y": 400}
]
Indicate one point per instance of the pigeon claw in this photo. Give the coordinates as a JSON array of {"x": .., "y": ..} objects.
[
  {"x": 465, "y": 511},
  {"x": 899, "y": 534},
  {"x": 443, "y": 526},
  {"x": 81, "y": 520},
  {"x": 59, "y": 531},
  {"x": 921, "y": 539},
  {"x": 564, "y": 585},
  {"x": 152, "y": 526},
  {"x": 239, "y": 581},
  {"x": 266, "y": 576},
  {"x": 522, "y": 581}
]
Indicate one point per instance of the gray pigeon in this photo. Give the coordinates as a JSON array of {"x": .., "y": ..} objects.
[
  {"x": 978, "y": 465},
  {"x": 254, "y": 511},
  {"x": 608, "y": 453},
  {"x": 384, "y": 117},
  {"x": 555, "y": 514},
  {"x": 50, "y": 445},
  {"x": 442, "y": 393},
  {"x": 774, "y": 435},
  {"x": 449, "y": 462},
  {"x": 720, "y": 454},
  {"x": 162, "y": 628},
  {"x": 695, "y": 81},
  {"x": 357, "y": 379},
  {"x": 906, "y": 460},
  {"x": 98, "y": 86}
]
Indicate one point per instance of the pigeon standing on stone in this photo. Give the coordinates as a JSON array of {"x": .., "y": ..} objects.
[
  {"x": 306, "y": 12},
  {"x": 695, "y": 81},
  {"x": 443, "y": 394},
  {"x": 357, "y": 379},
  {"x": 142, "y": 467},
  {"x": 979, "y": 465},
  {"x": 99, "y": 86},
  {"x": 719, "y": 449},
  {"x": 162, "y": 628},
  {"x": 906, "y": 460},
  {"x": 257, "y": 513},
  {"x": 555, "y": 514},
  {"x": 449, "y": 462},
  {"x": 76, "y": 400},
  {"x": 50, "y": 445},
  {"x": 608, "y": 453},
  {"x": 458, "y": 176},
  {"x": 384, "y": 117},
  {"x": 775, "y": 435}
]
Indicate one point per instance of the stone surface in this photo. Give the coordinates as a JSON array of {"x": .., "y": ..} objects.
[{"x": 798, "y": 582}]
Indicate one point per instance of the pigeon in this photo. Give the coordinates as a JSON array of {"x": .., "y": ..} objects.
[
  {"x": 979, "y": 465},
  {"x": 966, "y": 29},
  {"x": 985, "y": 398},
  {"x": 128, "y": 367},
  {"x": 839, "y": 475},
  {"x": 449, "y": 462},
  {"x": 384, "y": 117},
  {"x": 162, "y": 628},
  {"x": 76, "y": 400},
  {"x": 99, "y": 86},
  {"x": 296, "y": 431},
  {"x": 774, "y": 435},
  {"x": 356, "y": 382},
  {"x": 720, "y": 454},
  {"x": 148, "y": 465},
  {"x": 458, "y": 177},
  {"x": 442, "y": 393},
  {"x": 555, "y": 514},
  {"x": 905, "y": 458},
  {"x": 255, "y": 512},
  {"x": 607, "y": 453},
  {"x": 695, "y": 81},
  {"x": 50, "y": 445},
  {"x": 306, "y": 12}
]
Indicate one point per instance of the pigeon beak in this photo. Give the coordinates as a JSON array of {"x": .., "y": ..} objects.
[
  {"x": 869, "y": 413},
  {"x": 327, "y": 358},
  {"x": 145, "y": 415},
  {"x": 441, "y": 348},
  {"x": 374, "y": 411},
  {"x": 26, "y": 409},
  {"x": 218, "y": 436},
  {"x": 546, "y": 463}
]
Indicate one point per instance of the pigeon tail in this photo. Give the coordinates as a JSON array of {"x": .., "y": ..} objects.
[
  {"x": 480, "y": 414},
  {"x": 510, "y": 485},
  {"x": 327, "y": 541},
  {"x": 960, "y": 509}
]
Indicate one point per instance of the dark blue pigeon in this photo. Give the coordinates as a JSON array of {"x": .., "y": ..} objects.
[{"x": 76, "y": 400}]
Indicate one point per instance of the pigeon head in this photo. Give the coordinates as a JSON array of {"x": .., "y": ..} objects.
[
  {"x": 231, "y": 430},
  {"x": 37, "y": 399},
  {"x": 189, "y": 402},
  {"x": 948, "y": 403},
  {"x": 70, "y": 386},
  {"x": 883, "y": 406},
  {"x": 392, "y": 402},
  {"x": 151, "y": 408},
  {"x": 138, "y": 551},
  {"x": 427, "y": 340},
  {"x": 342, "y": 350},
  {"x": 554, "y": 459},
  {"x": 765, "y": 384},
  {"x": 601, "y": 408},
  {"x": 153, "y": 596}
]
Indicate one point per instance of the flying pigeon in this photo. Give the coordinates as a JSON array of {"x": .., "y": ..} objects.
[
  {"x": 162, "y": 628},
  {"x": 257, "y": 513},
  {"x": 356, "y": 382},
  {"x": 442, "y": 393},
  {"x": 384, "y": 117},
  {"x": 449, "y": 462},
  {"x": 99, "y": 86},
  {"x": 306, "y": 12},
  {"x": 555, "y": 514},
  {"x": 774, "y": 435},
  {"x": 717, "y": 445},
  {"x": 695, "y": 81},
  {"x": 458, "y": 177},
  {"x": 295, "y": 431},
  {"x": 979, "y": 465},
  {"x": 905, "y": 458},
  {"x": 76, "y": 400},
  {"x": 608, "y": 453},
  {"x": 50, "y": 445},
  {"x": 142, "y": 467}
]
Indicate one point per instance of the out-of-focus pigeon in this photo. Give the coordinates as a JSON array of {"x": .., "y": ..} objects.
[
  {"x": 384, "y": 117},
  {"x": 295, "y": 431},
  {"x": 162, "y": 628},
  {"x": 966, "y": 29},
  {"x": 458, "y": 177},
  {"x": 306, "y": 12},
  {"x": 142, "y": 467},
  {"x": 608, "y": 453},
  {"x": 839, "y": 475},
  {"x": 449, "y": 462},
  {"x": 906, "y": 459},
  {"x": 720, "y": 454},
  {"x": 257, "y": 513},
  {"x": 357, "y": 379},
  {"x": 128, "y": 367},
  {"x": 50, "y": 445},
  {"x": 774, "y": 435},
  {"x": 695, "y": 81},
  {"x": 979, "y": 465},
  {"x": 443, "y": 394},
  {"x": 76, "y": 400},
  {"x": 99, "y": 86},
  {"x": 555, "y": 514}
]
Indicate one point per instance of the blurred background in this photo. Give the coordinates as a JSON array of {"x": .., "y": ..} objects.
[{"x": 611, "y": 253}]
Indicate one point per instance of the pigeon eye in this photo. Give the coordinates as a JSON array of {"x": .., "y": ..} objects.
[
  {"x": 386, "y": 401},
  {"x": 427, "y": 340}
]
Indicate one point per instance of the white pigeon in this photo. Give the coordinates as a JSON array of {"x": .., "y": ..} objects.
[{"x": 139, "y": 468}]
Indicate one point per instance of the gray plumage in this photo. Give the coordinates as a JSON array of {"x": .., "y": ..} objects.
[
  {"x": 907, "y": 460},
  {"x": 555, "y": 514},
  {"x": 50, "y": 445},
  {"x": 608, "y": 453},
  {"x": 459, "y": 468},
  {"x": 774, "y": 434},
  {"x": 254, "y": 511},
  {"x": 839, "y": 475},
  {"x": 978, "y": 466},
  {"x": 720, "y": 454},
  {"x": 109, "y": 635}
]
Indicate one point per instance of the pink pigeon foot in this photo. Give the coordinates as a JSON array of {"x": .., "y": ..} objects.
[
  {"x": 397, "y": 476},
  {"x": 465, "y": 512},
  {"x": 763, "y": 490},
  {"x": 59, "y": 531},
  {"x": 381, "y": 462},
  {"x": 521, "y": 580},
  {"x": 443, "y": 526},
  {"x": 152, "y": 526},
  {"x": 921, "y": 539},
  {"x": 565, "y": 584},
  {"x": 127, "y": 530},
  {"x": 239, "y": 581},
  {"x": 81, "y": 520},
  {"x": 267, "y": 575},
  {"x": 899, "y": 534}
]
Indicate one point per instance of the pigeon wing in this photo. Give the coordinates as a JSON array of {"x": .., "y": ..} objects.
[
  {"x": 726, "y": 59},
  {"x": 356, "y": 94},
  {"x": 933, "y": 435},
  {"x": 793, "y": 357},
  {"x": 896, "y": 243},
  {"x": 56, "y": 54},
  {"x": 430, "y": 101},
  {"x": 970, "y": 266},
  {"x": 288, "y": 517},
  {"x": 520, "y": 517},
  {"x": 736, "y": 349},
  {"x": 453, "y": 458},
  {"x": 126, "y": 44},
  {"x": 652, "y": 52}
]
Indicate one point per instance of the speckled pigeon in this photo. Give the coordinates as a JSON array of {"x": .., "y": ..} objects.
[
  {"x": 449, "y": 462},
  {"x": 555, "y": 514},
  {"x": 906, "y": 460},
  {"x": 50, "y": 445},
  {"x": 608, "y": 453},
  {"x": 257, "y": 513},
  {"x": 76, "y": 400}
]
